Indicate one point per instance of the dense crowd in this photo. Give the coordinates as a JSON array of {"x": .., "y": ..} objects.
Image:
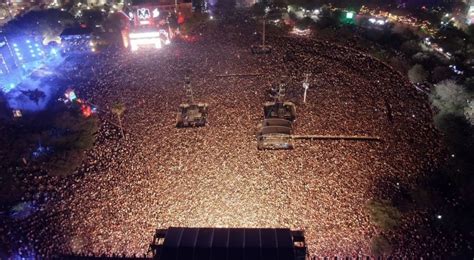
[{"x": 160, "y": 176}]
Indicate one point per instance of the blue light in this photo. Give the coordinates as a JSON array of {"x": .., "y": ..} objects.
[
  {"x": 54, "y": 51},
  {"x": 27, "y": 41},
  {"x": 32, "y": 55},
  {"x": 14, "y": 45}
]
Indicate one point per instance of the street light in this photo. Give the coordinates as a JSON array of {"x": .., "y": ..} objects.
[{"x": 349, "y": 15}]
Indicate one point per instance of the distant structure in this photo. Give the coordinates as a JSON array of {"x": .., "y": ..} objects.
[
  {"x": 261, "y": 48},
  {"x": 96, "y": 2},
  {"x": 191, "y": 113},
  {"x": 76, "y": 40},
  {"x": 228, "y": 243},
  {"x": 276, "y": 130},
  {"x": 277, "y": 127},
  {"x": 470, "y": 12}
]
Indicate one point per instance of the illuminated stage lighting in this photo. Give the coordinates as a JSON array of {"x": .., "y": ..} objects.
[
  {"x": 146, "y": 38},
  {"x": 135, "y": 43},
  {"x": 156, "y": 13},
  {"x": 144, "y": 35}
]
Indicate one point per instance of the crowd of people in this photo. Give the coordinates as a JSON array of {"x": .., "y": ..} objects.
[{"x": 158, "y": 176}]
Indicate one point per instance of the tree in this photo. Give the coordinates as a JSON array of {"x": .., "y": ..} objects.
[
  {"x": 410, "y": 47},
  {"x": 280, "y": 3},
  {"x": 450, "y": 98},
  {"x": 470, "y": 33},
  {"x": 381, "y": 246},
  {"x": 398, "y": 64},
  {"x": 428, "y": 60},
  {"x": 116, "y": 22},
  {"x": 469, "y": 84},
  {"x": 354, "y": 5},
  {"x": 258, "y": 9},
  {"x": 304, "y": 23},
  {"x": 73, "y": 135},
  {"x": 43, "y": 23},
  {"x": 3, "y": 106},
  {"x": 417, "y": 74},
  {"x": 119, "y": 109},
  {"x": 327, "y": 18},
  {"x": 306, "y": 4},
  {"x": 384, "y": 214},
  {"x": 92, "y": 17},
  {"x": 469, "y": 112},
  {"x": 440, "y": 73}
]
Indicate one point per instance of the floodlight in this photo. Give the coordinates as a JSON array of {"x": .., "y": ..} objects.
[{"x": 156, "y": 13}]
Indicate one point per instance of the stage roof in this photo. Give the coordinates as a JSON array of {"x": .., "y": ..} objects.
[{"x": 227, "y": 244}]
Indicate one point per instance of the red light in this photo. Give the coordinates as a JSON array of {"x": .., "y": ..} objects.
[
  {"x": 180, "y": 19},
  {"x": 86, "y": 110}
]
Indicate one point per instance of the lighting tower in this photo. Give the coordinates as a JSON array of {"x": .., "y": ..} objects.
[
  {"x": 188, "y": 89},
  {"x": 305, "y": 86}
]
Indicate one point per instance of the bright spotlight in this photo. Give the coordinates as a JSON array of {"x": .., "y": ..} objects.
[{"x": 156, "y": 13}]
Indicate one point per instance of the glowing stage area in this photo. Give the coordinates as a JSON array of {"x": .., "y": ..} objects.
[
  {"x": 24, "y": 64},
  {"x": 154, "y": 39}
]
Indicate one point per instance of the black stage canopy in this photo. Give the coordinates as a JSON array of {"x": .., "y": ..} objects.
[{"x": 179, "y": 243}]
